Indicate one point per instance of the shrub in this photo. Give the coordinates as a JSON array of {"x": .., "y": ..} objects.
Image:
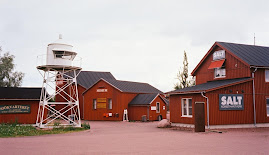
[{"x": 86, "y": 126}]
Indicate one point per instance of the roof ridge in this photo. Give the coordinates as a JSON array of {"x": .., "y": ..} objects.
[
  {"x": 97, "y": 71},
  {"x": 23, "y": 87},
  {"x": 148, "y": 94},
  {"x": 133, "y": 82},
  {"x": 241, "y": 44}
]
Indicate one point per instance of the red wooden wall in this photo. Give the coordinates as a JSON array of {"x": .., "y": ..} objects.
[
  {"x": 23, "y": 118},
  {"x": 59, "y": 98},
  {"x": 218, "y": 117},
  {"x": 234, "y": 68},
  {"x": 136, "y": 112},
  {"x": 175, "y": 108},
  {"x": 262, "y": 92},
  {"x": 153, "y": 116},
  {"x": 119, "y": 102},
  {"x": 80, "y": 99}
]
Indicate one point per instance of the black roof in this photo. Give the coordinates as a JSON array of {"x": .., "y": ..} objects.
[
  {"x": 143, "y": 99},
  {"x": 19, "y": 93},
  {"x": 165, "y": 100},
  {"x": 88, "y": 78},
  {"x": 209, "y": 86},
  {"x": 251, "y": 54},
  {"x": 133, "y": 87},
  {"x": 146, "y": 99}
]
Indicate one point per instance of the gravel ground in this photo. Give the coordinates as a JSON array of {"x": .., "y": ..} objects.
[{"x": 141, "y": 138}]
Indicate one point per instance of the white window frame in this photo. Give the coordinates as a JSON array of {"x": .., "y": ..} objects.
[
  {"x": 109, "y": 103},
  {"x": 266, "y": 77},
  {"x": 94, "y": 102},
  {"x": 187, "y": 107},
  {"x": 267, "y": 106},
  {"x": 221, "y": 70},
  {"x": 158, "y": 106}
]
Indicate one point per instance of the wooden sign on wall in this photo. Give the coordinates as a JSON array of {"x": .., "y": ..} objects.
[
  {"x": 11, "y": 109},
  {"x": 101, "y": 100},
  {"x": 231, "y": 102},
  {"x": 101, "y": 105},
  {"x": 101, "y": 90}
]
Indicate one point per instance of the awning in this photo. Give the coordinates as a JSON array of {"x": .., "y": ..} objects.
[{"x": 216, "y": 64}]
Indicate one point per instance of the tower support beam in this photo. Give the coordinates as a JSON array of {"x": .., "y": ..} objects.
[{"x": 64, "y": 112}]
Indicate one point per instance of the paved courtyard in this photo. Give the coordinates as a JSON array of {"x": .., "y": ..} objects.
[{"x": 140, "y": 138}]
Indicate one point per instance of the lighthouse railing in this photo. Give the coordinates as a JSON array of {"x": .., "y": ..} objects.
[{"x": 42, "y": 61}]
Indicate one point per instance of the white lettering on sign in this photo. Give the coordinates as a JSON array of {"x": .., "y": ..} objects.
[
  {"x": 219, "y": 55},
  {"x": 235, "y": 100},
  {"x": 101, "y": 90},
  {"x": 231, "y": 102}
]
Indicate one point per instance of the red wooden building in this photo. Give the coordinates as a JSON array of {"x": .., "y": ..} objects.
[
  {"x": 18, "y": 104},
  {"x": 107, "y": 100},
  {"x": 152, "y": 106},
  {"x": 85, "y": 80},
  {"x": 232, "y": 87},
  {"x": 102, "y": 97}
]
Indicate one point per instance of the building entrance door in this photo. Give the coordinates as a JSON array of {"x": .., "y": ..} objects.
[{"x": 199, "y": 116}]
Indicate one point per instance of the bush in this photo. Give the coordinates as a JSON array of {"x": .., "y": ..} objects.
[{"x": 86, "y": 126}]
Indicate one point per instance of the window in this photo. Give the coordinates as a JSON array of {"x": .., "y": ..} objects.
[
  {"x": 220, "y": 72},
  {"x": 109, "y": 103},
  {"x": 58, "y": 54},
  {"x": 64, "y": 55},
  {"x": 267, "y": 106},
  {"x": 266, "y": 75},
  {"x": 186, "y": 106},
  {"x": 157, "y": 107},
  {"x": 94, "y": 104}
]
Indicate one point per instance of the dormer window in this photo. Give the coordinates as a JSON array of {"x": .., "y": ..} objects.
[
  {"x": 218, "y": 64},
  {"x": 220, "y": 72},
  {"x": 219, "y": 68}
]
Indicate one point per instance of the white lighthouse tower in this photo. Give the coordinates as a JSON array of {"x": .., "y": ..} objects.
[{"x": 59, "y": 74}]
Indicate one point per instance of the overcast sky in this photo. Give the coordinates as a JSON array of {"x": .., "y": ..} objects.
[{"x": 135, "y": 40}]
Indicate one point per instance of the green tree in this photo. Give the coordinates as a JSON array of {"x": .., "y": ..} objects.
[
  {"x": 183, "y": 76},
  {"x": 9, "y": 78}
]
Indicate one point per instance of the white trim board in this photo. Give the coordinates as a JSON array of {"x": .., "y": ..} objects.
[{"x": 259, "y": 125}]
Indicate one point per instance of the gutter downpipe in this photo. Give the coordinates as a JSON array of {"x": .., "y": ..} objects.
[
  {"x": 207, "y": 108},
  {"x": 83, "y": 108},
  {"x": 254, "y": 104}
]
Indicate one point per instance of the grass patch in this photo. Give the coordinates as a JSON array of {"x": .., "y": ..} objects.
[{"x": 15, "y": 130}]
